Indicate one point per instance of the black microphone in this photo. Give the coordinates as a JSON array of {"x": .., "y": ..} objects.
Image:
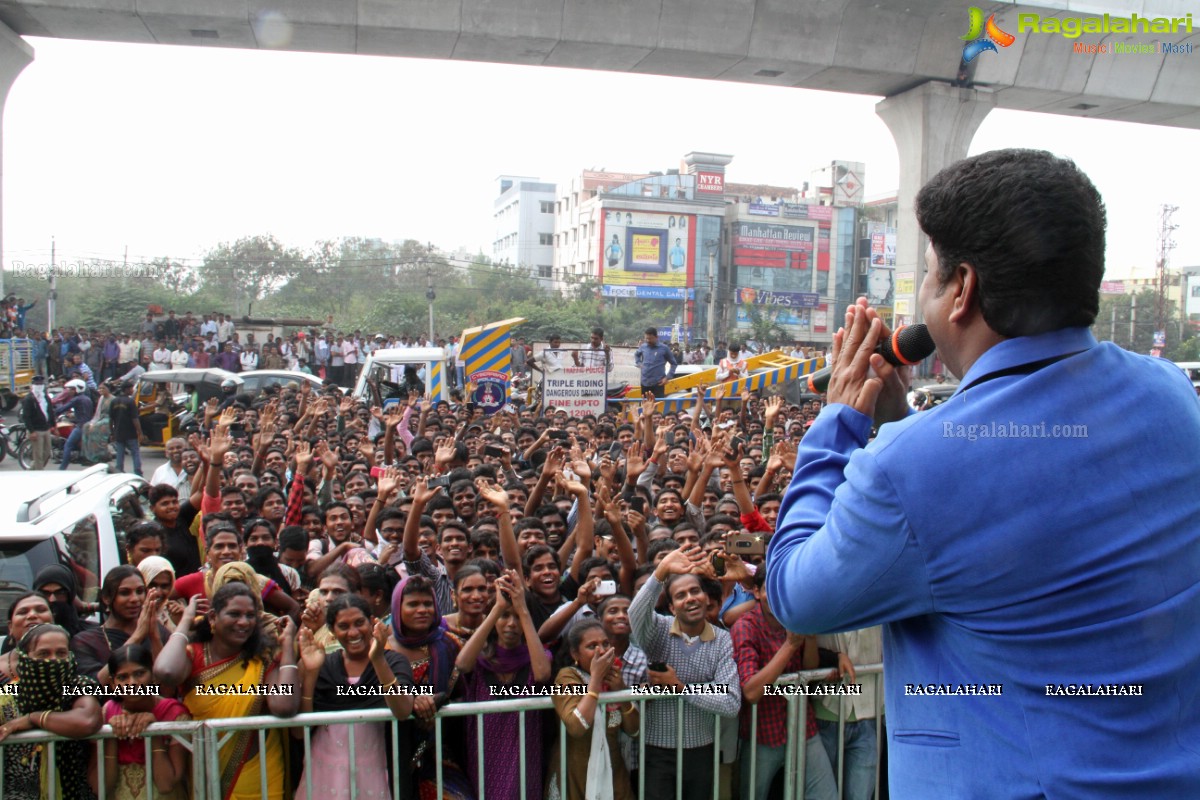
[{"x": 908, "y": 345}]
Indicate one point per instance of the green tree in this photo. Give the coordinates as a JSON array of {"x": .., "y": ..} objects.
[
  {"x": 765, "y": 329},
  {"x": 1116, "y": 312},
  {"x": 245, "y": 271}
]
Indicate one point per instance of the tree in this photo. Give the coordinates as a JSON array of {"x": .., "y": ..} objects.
[
  {"x": 175, "y": 276},
  {"x": 1113, "y": 323},
  {"x": 765, "y": 329},
  {"x": 249, "y": 269}
]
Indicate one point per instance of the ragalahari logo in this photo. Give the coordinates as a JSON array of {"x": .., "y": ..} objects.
[{"x": 982, "y": 36}]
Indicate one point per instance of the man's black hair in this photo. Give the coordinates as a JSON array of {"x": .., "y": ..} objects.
[{"x": 1032, "y": 225}]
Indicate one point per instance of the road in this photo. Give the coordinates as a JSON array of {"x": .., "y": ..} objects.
[{"x": 152, "y": 458}]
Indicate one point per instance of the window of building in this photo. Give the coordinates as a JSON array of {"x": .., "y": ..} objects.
[
  {"x": 545, "y": 238},
  {"x": 547, "y": 207},
  {"x": 545, "y": 270}
]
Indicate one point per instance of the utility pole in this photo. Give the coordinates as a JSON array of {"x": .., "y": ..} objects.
[
  {"x": 430, "y": 295},
  {"x": 52, "y": 297},
  {"x": 1165, "y": 245},
  {"x": 1132, "y": 320},
  {"x": 711, "y": 244}
]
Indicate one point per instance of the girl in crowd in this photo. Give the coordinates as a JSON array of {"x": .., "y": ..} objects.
[
  {"x": 419, "y": 634},
  {"x": 595, "y": 767},
  {"x": 132, "y": 619},
  {"x": 144, "y": 540},
  {"x": 365, "y": 663},
  {"x": 27, "y": 610},
  {"x": 229, "y": 650},
  {"x": 125, "y": 756},
  {"x": 335, "y": 581},
  {"x": 45, "y": 667},
  {"x": 514, "y": 657},
  {"x": 472, "y": 600}
]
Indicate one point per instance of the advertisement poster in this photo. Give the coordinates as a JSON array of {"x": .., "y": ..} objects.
[
  {"x": 748, "y": 295},
  {"x": 579, "y": 391},
  {"x": 642, "y": 248},
  {"x": 905, "y": 285},
  {"x": 790, "y": 317}
]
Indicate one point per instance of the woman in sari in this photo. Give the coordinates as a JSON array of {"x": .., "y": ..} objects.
[
  {"x": 228, "y": 650},
  {"x": 45, "y": 667},
  {"x": 595, "y": 767},
  {"x": 26, "y": 611},
  {"x": 132, "y": 619},
  {"x": 363, "y": 664},
  {"x": 125, "y": 755},
  {"x": 514, "y": 657},
  {"x": 419, "y": 634}
]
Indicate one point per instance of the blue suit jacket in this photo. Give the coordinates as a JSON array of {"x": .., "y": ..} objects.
[{"x": 1021, "y": 556}]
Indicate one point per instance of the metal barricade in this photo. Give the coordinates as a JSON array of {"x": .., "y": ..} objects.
[
  {"x": 205, "y": 738},
  {"x": 190, "y": 734}
]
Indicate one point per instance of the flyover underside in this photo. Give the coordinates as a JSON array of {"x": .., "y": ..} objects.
[{"x": 880, "y": 49}]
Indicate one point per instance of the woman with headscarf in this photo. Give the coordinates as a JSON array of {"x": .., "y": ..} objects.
[
  {"x": 132, "y": 619},
  {"x": 160, "y": 574},
  {"x": 45, "y": 667},
  {"x": 26, "y": 611},
  {"x": 57, "y": 584},
  {"x": 513, "y": 657},
  {"x": 419, "y": 634},
  {"x": 354, "y": 678}
]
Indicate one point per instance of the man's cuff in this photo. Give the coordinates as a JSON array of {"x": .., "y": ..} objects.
[{"x": 839, "y": 427}]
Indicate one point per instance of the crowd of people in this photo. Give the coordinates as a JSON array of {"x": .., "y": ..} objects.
[{"x": 307, "y": 543}]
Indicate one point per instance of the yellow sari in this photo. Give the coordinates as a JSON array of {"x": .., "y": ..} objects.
[{"x": 240, "y": 757}]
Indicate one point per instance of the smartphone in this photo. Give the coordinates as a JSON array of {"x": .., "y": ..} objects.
[
  {"x": 747, "y": 544},
  {"x": 237, "y": 432},
  {"x": 558, "y": 435},
  {"x": 638, "y": 504},
  {"x": 495, "y": 451},
  {"x": 615, "y": 450},
  {"x": 606, "y": 588},
  {"x": 658, "y": 666},
  {"x": 441, "y": 482},
  {"x": 377, "y": 472},
  {"x": 718, "y": 562},
  {"x": 736, "y": 444}
]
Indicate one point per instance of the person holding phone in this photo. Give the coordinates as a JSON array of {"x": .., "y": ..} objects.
[{"x": 684, "y": 650}]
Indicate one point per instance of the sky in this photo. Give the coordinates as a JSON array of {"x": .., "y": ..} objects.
[{"x": 163, "y": 151}]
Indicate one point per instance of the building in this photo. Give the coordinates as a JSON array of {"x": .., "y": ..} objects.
[
  {"x": 523, "y": 216},
  {"x": 646, "y": 236}
]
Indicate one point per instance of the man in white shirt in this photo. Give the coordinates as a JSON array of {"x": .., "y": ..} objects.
[
  {"x": 553, "y": 356},
  {"x": 350, "y": 350},
  {"x": 249, "y": 358},
  {"x": 732, "y": 366},
  {"x": 160, "y": 359},
  {"x": 208, "y": 327},
  {"x": 130, "y": 351},
  {"x": 173, "y": 472},
  {"x": 225, "y": 329}
]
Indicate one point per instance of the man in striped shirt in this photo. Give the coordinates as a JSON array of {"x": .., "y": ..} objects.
[{"x": 694, "y": 653}]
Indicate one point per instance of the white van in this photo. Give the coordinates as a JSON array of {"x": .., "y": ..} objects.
[
  {"x": 394, "y": 371},
  {"x": 1192, "y": 370}
]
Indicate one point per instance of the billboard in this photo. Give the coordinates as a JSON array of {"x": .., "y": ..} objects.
[
  {"x": 645, "y": 248},
  {"x": 747, "y": 295},
  {"x": 579, "y": 391},
  {"x": 710, "y": 183}
]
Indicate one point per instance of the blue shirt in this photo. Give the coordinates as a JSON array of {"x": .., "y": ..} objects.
[
  {"x": 997, "y": 549},
  {"x": 653, "y": 361}
]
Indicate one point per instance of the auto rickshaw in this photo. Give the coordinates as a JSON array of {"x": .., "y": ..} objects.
[{"x": 164, "y": 412}]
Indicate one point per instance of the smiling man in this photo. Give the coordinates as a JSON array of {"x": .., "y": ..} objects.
[
  {"x": 1067, "y": 554},
  {"x": 694, "y": 652}
]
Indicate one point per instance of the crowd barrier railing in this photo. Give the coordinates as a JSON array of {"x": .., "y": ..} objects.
[{"x": 204, "y": 740}]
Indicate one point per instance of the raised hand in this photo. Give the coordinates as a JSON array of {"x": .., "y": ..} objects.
[
  {"x": 493, "y": 493},
  {"x": 312, "y": 655},
  {"x": 422, "y": 493},
  {"x": 304, "y": 457},
  {"x": 773, "y": 407}
]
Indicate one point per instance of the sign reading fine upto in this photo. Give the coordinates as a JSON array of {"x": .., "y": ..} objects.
[{"x": 579, "y": 391}]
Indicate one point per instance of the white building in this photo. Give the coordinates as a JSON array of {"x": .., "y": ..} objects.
[{"x": 523, "y": 216}]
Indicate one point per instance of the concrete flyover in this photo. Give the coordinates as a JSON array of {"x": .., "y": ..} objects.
[{"x": 907, "y": 51}]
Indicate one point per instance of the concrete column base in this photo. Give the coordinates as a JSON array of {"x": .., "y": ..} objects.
[
  {"x": 933, "y": 125},
  {"x": 15, "y": 55}
]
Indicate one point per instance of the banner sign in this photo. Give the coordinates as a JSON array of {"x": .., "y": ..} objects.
[
  {"x": 764, "y": 210},
  {"x": 748, "y": 295},
  {"x": 579, "y": 391}
]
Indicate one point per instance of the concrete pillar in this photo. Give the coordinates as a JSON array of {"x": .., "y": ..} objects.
[
  {"x": 15, "y": 55},
  {"x": 933, "y": 125}
]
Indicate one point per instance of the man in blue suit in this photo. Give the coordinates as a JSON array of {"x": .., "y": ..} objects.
[{"x": 1039, "y": 531}]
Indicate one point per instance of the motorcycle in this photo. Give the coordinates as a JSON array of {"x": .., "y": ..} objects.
[
  {"x": 96, "y": 453},
  {"x": 10, "y": 439}
]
